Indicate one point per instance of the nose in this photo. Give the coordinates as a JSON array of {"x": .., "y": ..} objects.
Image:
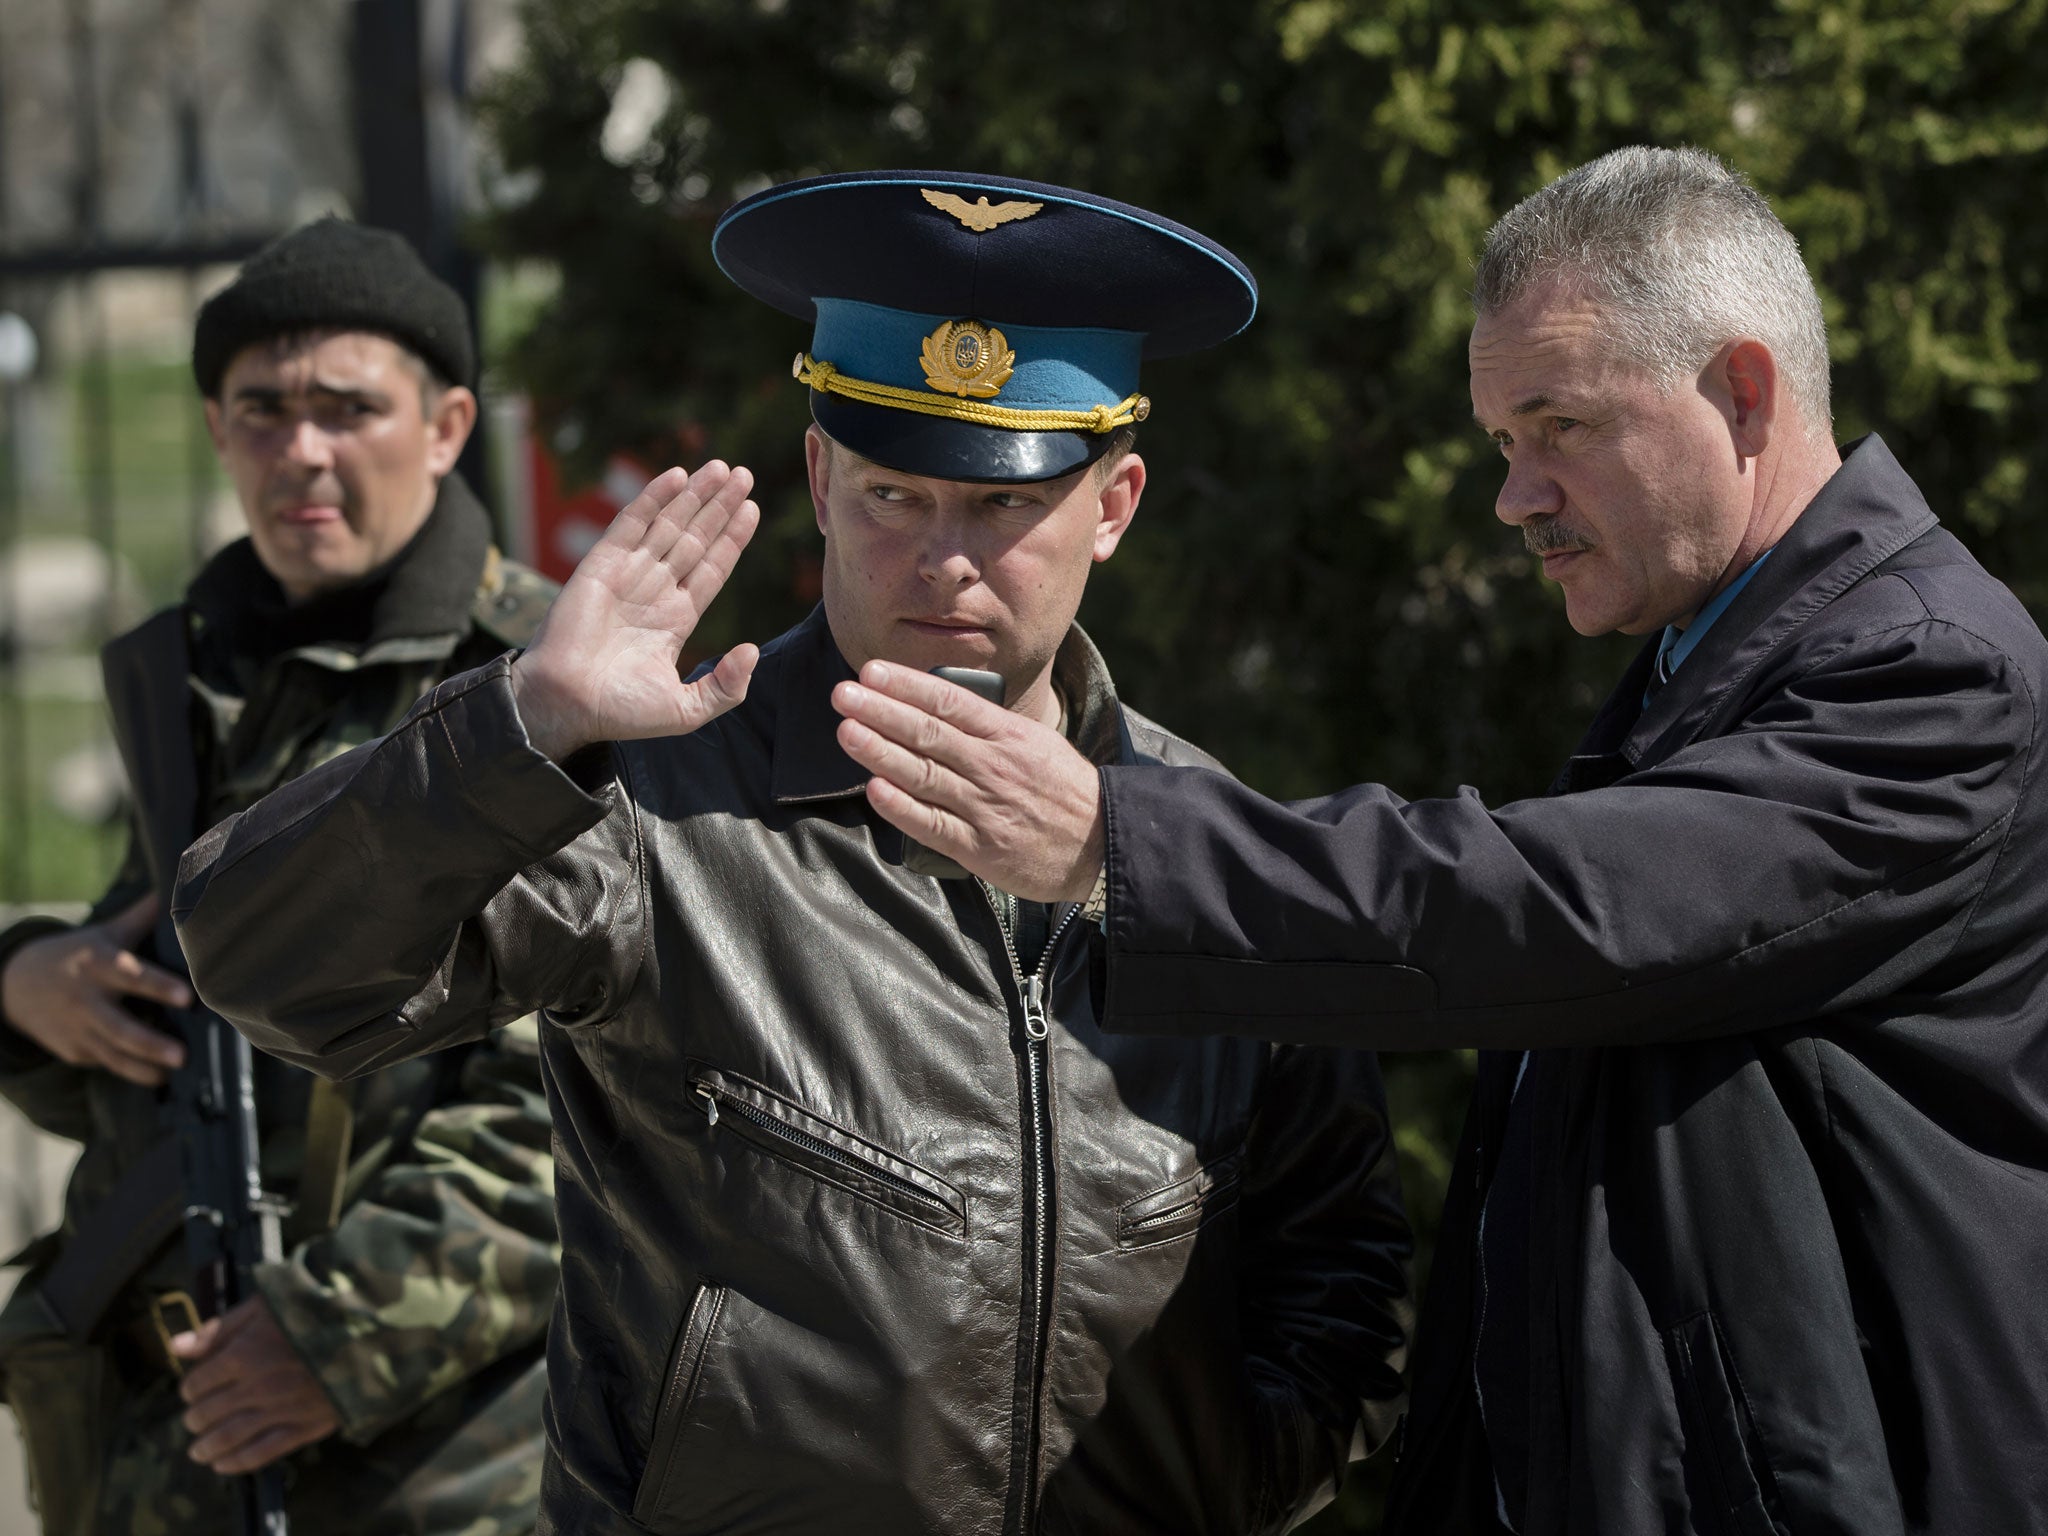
[
  {"x": 1527, "y": 492},
  {"x": 945, "y": 556},
  {"x": 309, "y": 444}
]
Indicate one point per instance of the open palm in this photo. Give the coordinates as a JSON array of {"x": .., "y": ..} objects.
[{"x": 602, "y": 666}]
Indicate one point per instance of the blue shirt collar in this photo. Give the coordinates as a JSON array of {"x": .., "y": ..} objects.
[{"x": 1678, "y": 644}]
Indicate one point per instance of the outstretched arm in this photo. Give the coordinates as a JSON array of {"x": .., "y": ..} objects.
[
  {"x": 424, "y": 888},
  {"x": 1785, "y": 869}
]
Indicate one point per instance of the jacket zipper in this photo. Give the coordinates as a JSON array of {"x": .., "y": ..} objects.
[
  {"x": 691, "y": 1346},
  {"x": 1038, "y": 1133},
  {"x": 719, "y": 1103}
]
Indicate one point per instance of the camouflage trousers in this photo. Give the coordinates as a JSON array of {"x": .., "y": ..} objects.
[{"x": 468, "y": 1464}]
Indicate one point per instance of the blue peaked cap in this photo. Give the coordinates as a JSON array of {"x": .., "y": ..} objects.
[{"x": 978, "y": 328}]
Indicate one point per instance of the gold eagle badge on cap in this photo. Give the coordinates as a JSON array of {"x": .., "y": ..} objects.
[
  {"x": 965, "y": 357},
  {"x": 978, "y": 215}
]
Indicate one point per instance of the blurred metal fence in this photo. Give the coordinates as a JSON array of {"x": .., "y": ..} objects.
[
  {"x": 86, "y": 548},
  {"x": 146, "y": 145},
  {"x": 140, "y": 150}
]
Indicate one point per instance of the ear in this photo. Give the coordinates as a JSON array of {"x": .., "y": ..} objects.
[
  {"x": 216, "y": 425},
  {"x": 818, "y": 466},
  {"x": 1747, "y": 376},
  {"x": 1119, "y": 504},
  {"x": 448, "y": 427}
]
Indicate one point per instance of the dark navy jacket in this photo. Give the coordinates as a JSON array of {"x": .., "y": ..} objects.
[{"x": 1780, "y": 939}]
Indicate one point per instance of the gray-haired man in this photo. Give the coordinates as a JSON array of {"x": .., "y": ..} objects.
[{"x": 1750, "y": 1218}]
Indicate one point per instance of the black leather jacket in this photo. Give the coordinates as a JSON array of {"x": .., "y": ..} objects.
[{"x": 863, "y": 1231}]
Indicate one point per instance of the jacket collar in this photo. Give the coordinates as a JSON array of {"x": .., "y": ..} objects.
[
  {"x": 809, "y": 764},
  {"x": 1868, "y": 511},
  {"x": 425, "y": 590}
]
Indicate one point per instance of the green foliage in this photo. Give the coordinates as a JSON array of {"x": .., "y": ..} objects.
[{"x": 1317, "y": 589}]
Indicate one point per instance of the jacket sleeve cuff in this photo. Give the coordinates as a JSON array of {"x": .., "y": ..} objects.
[
  {"x": 541, "y": 804},
  {"x": 341, "y": 1340},
  {"x": 18, "y": 1053}
]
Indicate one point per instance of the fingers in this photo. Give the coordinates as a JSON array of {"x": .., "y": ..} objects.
[
  {"x": 195, "y": 1345},
  {"x": 930, "y": 825},
  {"x": 108, "y": 1035},
  {"x": 915, "y": 769},
  {"x": 689, "y": 523},
  {"x": 214, "y": 1366},
  {"x": 702, "y": 581},
  {"x": 1007, "y": 798},
  {"x": 629, "y": 528},
  {"x": 251, "y": 1440},
  {"x": 927, "y": 695},
  {"x": 693, "y": 527},
  {"x": 63, "y": 992},
  {"x": 123, "y": 971},
  {"x": 720, "y": 689},
  {"x": 94, "y": 1031},
  {"x": 703, "y": 557},
  {"x": 250, "y": 1398},
  {"x": 111, "y": 1038},
  {"x": 918, "y": 732}
]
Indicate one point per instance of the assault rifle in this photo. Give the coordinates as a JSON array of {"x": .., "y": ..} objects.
[{"x": 230, "y": 1224}]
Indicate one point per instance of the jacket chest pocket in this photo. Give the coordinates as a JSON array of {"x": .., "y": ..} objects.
[
  {"x": 1181, "y": 1207},
  {"x": 679, "y": 1391},
  {"x": 827, "y": 1152}
]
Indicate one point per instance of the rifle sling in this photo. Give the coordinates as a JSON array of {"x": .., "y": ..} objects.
[
  {"x": 120, "y": 1235},
  {"x": 330, "y": 1135}
]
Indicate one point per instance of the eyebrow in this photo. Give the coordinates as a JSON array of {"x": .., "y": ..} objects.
[
  {"x": 266, "y": 394},
  {"x": 1534, "y": 405}
]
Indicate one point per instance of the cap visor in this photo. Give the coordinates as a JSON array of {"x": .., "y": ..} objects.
[{"x": 940, "y": 448}]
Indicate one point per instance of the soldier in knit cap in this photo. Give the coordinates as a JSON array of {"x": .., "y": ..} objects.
[{"x": 389, "y": 1365}]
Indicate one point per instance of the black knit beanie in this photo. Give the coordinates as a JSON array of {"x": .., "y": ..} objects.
[{"x": 339, "y": 274}]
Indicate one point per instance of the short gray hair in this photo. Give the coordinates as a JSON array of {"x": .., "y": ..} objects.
[{"x": 1682, "y": 254}]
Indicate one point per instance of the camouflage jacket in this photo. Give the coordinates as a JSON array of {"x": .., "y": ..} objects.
[{"x": 424, "y": 1309}]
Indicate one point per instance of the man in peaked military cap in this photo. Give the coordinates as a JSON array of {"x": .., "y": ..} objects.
[
  {"x": 868, "y": 1227},
  {"x": 390, "y": 1363}
]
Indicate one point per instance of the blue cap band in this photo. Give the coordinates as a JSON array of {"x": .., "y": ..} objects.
[{"x": 1057, "y": 369}]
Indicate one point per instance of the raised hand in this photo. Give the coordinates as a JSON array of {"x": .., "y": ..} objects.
[
  {"x": 602, "y": 666},
  {"x": 65, "y": 993},
  {"x": 1004, "y": 797}
]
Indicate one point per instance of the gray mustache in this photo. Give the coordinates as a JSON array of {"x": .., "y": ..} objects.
[{"x": 1543, "y": 536}]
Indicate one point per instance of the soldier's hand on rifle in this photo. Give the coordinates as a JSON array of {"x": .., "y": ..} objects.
[
  {"x": 64, "y": 992},
  {"x": 602, "y": 666},
  {"x": 251, "y": 1399}
]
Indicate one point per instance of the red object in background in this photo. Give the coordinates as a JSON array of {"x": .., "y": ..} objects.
[{"x": 551, "y": 527}]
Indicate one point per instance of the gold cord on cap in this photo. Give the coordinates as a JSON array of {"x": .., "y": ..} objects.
[{"x": 826, "y": 379}]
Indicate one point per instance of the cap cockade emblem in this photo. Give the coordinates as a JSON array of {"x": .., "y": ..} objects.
[
  {"x": 965, "y": 357},
  {"x": 978, "y": 215}
]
